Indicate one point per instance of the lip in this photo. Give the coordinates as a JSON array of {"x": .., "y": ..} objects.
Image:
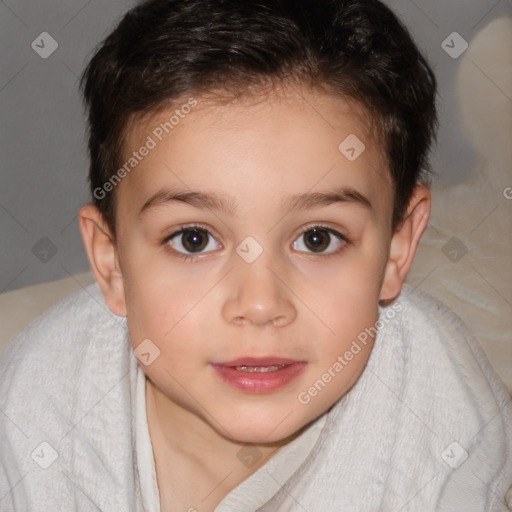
[
  {"x": 259, "y": 382},
  {"x": 258, "y": 361}
]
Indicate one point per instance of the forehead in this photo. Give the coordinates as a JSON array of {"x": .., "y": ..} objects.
[{"x": 284, "y": 143}]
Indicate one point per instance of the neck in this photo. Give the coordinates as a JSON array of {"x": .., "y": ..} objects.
[{"x": 190, "y": 454}]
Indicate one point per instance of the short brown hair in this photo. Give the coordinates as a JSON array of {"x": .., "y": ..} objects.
[{"x": 162, "y": 50}]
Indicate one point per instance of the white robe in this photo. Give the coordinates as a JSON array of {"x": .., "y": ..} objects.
[{"x": 427, "y": 427}]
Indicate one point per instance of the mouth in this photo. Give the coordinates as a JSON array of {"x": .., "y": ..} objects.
[
  {"x": 259, "y": 375},
  {"x": 250, "y": 369}
]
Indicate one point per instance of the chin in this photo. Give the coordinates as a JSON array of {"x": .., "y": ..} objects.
[{"x": 263, "y": 432}]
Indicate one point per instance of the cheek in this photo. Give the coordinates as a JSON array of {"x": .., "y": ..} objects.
[
  {"x": 351, "y": 325},
  {"x": 157, "y": 294},
  {"x": 342, "y": 350},
  {"x": 174, "y": 345},
  {"x": 158, "y": 313},
  {"x": 168, "y": 308},
  {"x": 347, "y": 295},
  {"x": 345, "y": 308}
]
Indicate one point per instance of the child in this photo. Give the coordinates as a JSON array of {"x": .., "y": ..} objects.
[{"x": 258, "y": 174}]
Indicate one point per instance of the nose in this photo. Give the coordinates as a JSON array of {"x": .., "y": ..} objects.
[{"x": 258, "y": 294}]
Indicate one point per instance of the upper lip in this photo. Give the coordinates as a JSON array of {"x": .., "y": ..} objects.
[{"x": 258, "y": 361}]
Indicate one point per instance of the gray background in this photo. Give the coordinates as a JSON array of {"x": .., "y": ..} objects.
[{"x": 44, "y": 165}]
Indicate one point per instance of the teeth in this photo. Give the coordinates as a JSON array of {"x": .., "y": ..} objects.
[{"x": 251, "y": 369}]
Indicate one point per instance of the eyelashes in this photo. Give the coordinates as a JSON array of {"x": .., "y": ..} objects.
[
  {"x": 192, "y": 237},
  {"x": 194, "y": 229}
]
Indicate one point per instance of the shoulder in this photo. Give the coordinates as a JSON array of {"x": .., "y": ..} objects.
[
  {"x": 431, "y": 327},
  {"x": 439, "y": 345},
  {"x": 57, "y": 339},
  {"x": 450, "y": 384},
  {"x": 64, "y": 398},
  {"x": 55, "y": 363}
]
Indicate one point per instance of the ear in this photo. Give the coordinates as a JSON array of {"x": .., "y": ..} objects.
[
  {"x": 404, "y": 243},
  {"x": 103, "y": 257}
]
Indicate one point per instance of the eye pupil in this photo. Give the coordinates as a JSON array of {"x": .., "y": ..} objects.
[
  {"x": 192, "y": 239},
  {"x": 319, "y": 239}
]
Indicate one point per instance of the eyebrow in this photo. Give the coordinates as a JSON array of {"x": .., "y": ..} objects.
[{"x": 228, "y": 204}]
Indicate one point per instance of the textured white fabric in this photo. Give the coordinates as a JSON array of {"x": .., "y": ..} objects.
[{"x": 74, "y": 434}]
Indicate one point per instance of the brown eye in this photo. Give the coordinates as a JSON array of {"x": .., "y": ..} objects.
[
  {"x": 190, "y": 240},
  {"x": 318, "y": 239},
  {"x": 194, "y": 240}
]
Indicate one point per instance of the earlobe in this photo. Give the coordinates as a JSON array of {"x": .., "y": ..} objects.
[
  {"x": 103, "y": 257},
  {"x": 404, "y": 243}
]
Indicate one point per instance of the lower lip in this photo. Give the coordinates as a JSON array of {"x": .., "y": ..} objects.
[{"x": 259, "y": 382}]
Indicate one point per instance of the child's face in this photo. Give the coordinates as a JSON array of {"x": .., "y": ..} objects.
[{"x": 305, "y": 298}]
